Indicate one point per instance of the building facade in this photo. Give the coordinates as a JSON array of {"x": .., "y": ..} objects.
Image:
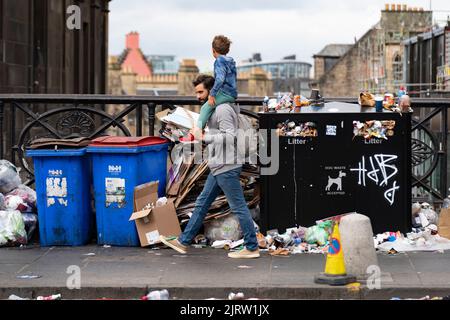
[
  {"x": 286, "y": 75},
  {"x": 328, "y": 57},
  {"x": 375, "y": 62},
  {"x": 39, "y": 54},
  {"x": 427, "y": 63},
  {"x": 132, "y": 72}
]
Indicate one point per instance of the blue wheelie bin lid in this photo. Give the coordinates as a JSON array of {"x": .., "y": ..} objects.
[
  {"x": 111, "y": 144},
  {"x": 55, "y": 152}
]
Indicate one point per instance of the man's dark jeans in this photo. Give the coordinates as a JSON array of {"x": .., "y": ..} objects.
[{"x": 230, "y": 184}]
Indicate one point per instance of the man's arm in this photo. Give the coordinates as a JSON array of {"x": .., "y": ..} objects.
[{"x": 227, "y": 129}]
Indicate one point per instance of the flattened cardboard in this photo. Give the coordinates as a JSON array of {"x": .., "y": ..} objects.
[
  {"x": 444, "y": 223},
  {"x": 152, "y": 223}
]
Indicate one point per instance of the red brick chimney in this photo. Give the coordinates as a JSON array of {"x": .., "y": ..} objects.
[
  {"x": 135, "y": 60},
  {"x": 132, "y": 40}
]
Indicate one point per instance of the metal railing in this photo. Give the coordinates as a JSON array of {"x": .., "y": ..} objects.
[{"x": 24, "y": 118}]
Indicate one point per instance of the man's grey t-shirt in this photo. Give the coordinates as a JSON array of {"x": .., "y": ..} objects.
[{"x": 221, "y": 139}]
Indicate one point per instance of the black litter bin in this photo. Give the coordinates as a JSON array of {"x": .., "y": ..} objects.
[{"x": 336, "y": 159}]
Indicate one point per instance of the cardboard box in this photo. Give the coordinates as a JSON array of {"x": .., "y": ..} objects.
[
  {"x": 154, "y": 222},
  {"x": 444, "y": 223}
]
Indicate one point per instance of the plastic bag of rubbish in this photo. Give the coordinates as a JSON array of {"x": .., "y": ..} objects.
[
  {"x": 2, "y": 202},
  {"x": 12, "y": 228},
  {"x": 319, "y": 233},
  {"x": 416, "y": 207},
  {"x": 431, "y": 215},
  {"x": 9, "y": 176},
  {"x": 30, "y": 220},
  {"x": 22, "y": 198},
  {"x": 226, "y": 228}
]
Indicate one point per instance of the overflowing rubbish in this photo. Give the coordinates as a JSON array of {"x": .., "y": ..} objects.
[
  {"x": 374, "y": 129},
  {"x": 14, "y": 297},
  {"x": 293, "y": 129},
  {"x": 413, "y": 241},
  {"x": 12, "y": 228},
  {"x": 22, "y": 198},
  {"x": 423, "y": 215},
  {"x": 319, "y": 233},
  {"x": 400, "y": 103},
  {"x": 297, "y": 240},
  {"x": 425, "y": 235},
  {"x": 9, "y": 177},
  {"x": 18, "y": 219},
  {"x": 52, "y": 297},
  {"x": 291, "y": 103},
  {"x": 236, "y": 296},
  {"x": 227, "y": 244},
  {"x": 386, "y": 237},
  {"x": 157, "y": 295},
  {"x": 225, "y": 228},
  {"x": 366, "y": 99}
]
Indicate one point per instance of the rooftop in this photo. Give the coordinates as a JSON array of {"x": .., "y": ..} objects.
[{"x": 334, "y": 50}]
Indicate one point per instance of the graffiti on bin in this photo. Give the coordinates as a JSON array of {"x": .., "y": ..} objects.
[{"x": 381, "y": 170}]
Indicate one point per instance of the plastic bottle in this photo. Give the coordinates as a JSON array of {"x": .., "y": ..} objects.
[{"x": 157, "y": 295}]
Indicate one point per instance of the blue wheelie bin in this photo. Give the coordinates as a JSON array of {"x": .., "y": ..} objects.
[
  {"x": 63, "y": 182},
  {"x": 119, "y": 164}
]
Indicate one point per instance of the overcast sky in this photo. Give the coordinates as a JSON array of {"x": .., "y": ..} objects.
[{"x": 275, "y": 28}]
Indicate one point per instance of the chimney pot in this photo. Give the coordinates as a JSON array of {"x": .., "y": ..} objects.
[{"x": 132, "y": 40}]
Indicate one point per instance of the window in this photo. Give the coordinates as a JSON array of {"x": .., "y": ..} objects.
[{"x": 398, "y": 68}]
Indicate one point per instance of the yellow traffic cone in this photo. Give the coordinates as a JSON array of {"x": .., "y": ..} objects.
[{"x": 335, "y": 273}]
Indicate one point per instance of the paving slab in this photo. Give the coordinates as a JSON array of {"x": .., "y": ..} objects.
[{"x": 128, "y": 273}]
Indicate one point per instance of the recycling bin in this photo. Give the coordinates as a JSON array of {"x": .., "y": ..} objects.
[
  {"x": 334, "y": 159},
  {"x": 120, "y": 164},
  {"x": 63, "y": 181}
]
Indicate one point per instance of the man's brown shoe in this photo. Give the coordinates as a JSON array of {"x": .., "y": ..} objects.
[{"x": 173, "y": 243}]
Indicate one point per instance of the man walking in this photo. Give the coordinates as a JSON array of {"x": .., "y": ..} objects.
[{"x": 224, "y": 175}]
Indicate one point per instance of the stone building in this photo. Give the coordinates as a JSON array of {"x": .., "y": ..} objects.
[
  {"x": 132, "y": 72},
  {"x": 261, "y": 78},
  {"x": 375, "y": 61},
  {"x": 328, "y": 57},
  {"x": 40, "y": 54}
]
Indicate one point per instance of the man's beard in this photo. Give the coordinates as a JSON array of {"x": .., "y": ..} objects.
[{"x": 203, "y": 101}]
